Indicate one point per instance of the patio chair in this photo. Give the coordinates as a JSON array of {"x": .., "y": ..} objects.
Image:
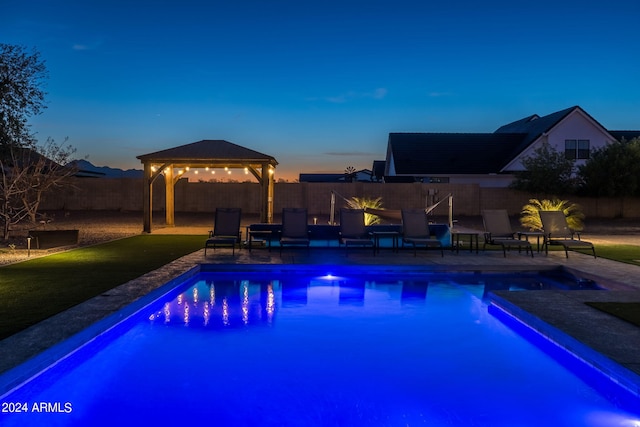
[
  {"x": 497, "y": 231},
  {"x": 415, "y": 230},
  {"x": 226, "y": 229},
  {"x": 295, "y": 230},
  {"x": 353, "y": 231},
  {"x": 557, "y": 232}
]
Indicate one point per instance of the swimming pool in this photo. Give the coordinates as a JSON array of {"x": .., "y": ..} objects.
[{"x": 354, "y": 348}]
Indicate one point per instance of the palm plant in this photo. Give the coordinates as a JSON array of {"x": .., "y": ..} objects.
[
  {"x": 530, "y": 218},
  {"x": 366, "y": 202}
]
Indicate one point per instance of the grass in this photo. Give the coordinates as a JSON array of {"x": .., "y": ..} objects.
[
  {"x": 629, "y": 311},
  {"x": 628, "y": 254},
  {"x": 33, "y": 290}
]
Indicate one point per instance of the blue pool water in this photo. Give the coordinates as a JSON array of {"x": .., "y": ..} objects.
[{"x": 309, "y": 349}]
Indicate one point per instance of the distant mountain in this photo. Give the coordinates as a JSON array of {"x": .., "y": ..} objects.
[{"x": 87, "y": 169}]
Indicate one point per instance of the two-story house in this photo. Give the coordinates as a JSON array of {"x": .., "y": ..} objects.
[{"x": 490, "y": 159}]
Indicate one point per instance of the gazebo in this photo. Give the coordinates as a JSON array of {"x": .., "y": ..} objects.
[{"x": 173, "y": 162}]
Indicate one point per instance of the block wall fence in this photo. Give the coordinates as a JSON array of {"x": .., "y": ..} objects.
[{"x": 125, "y": 194}]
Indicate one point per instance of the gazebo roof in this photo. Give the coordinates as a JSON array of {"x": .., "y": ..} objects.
[{"x": 209, "y": 152}]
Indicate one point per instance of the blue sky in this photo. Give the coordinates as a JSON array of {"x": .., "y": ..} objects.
[{"x": 319, "y": 84}]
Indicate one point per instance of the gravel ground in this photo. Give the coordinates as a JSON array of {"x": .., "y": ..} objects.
[
  {"x": 102, "y": 226},
  {"x": 94, "y": 227}
]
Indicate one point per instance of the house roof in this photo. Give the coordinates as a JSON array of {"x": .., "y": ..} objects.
[
  {"x": 334, "y": 177},
  {"x": 377, "y": 170},
  {"x": 209, "y": 150},
  {"x": 628, "y": 135},
  {"x": 472, "y": 153},
  {"x": 321, "y": 177},
  {"x": 452, "y": 153},
  {"x": 534, "y": 126}
]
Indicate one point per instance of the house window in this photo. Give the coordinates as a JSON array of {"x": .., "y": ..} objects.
[{"x": 576, "y": 149}]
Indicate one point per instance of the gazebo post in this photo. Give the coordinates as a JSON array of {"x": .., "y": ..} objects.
[
  {"x": 271, "y": 180},
  {"x": 147, "y": 197},
  {"x": 169, "y": 196},
  {"x": 266, "y": 187}
]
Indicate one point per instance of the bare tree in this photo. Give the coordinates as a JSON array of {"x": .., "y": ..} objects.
[
  {"x": 12, "y": 211},
  {"x": 28, "y": 174}
]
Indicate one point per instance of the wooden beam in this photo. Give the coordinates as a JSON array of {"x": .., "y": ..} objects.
[
  {"x": 147, "y": 198},
  {"x": 169, "y": 196}
]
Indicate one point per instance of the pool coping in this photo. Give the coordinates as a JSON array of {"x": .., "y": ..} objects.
[
  {"x": 102, "y": 312},
  {"x": 597, "y": 342}
]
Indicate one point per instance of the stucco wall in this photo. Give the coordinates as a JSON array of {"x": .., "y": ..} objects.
[{"x": 468, "y": 199}]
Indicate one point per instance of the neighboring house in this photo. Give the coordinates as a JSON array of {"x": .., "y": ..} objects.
[
  {"x": 377, "y": 170},
  {"x": 363, "y": 175},
  {"x": 490, "y": 159}
]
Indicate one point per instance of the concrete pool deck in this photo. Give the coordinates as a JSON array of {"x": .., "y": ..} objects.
[{"x": 565, "y": 311}]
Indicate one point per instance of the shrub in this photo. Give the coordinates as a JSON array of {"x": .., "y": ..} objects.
[
  {"x": 531, "y": 218},
  {"x": 366, "y": 202}
]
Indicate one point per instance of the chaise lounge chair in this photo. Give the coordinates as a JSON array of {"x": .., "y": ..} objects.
[
  {"x": 295, "y": 230},
  {"x": 226, "y": 229},
  {"x": 415, "y": 230},
  {"x": 557, "y": 232},
  {"x": 353, "y": 231},
  {"x": 497, "y": 231}
]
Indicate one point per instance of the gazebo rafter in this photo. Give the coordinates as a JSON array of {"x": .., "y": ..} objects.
[{"x": 202, "y": 154}]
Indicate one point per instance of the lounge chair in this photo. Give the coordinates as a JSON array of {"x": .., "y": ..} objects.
[
  {"x": 497, "y": 231},
  {"x": 557, "y": 232},
  {"x": 226, "y": 229},
  {"x": 353, "y": 231},
  {"x": 415, "y": 230},
  {"x": 295, "y": 230}
]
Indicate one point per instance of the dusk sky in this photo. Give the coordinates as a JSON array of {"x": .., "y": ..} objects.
[{"x": 318, "y": 84}]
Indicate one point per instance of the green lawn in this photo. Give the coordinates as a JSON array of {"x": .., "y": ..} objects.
[
  {"x": 629, "y": 311},
  {"x": 623, "y": 253},
  {"x": 33, "y": 290}
]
